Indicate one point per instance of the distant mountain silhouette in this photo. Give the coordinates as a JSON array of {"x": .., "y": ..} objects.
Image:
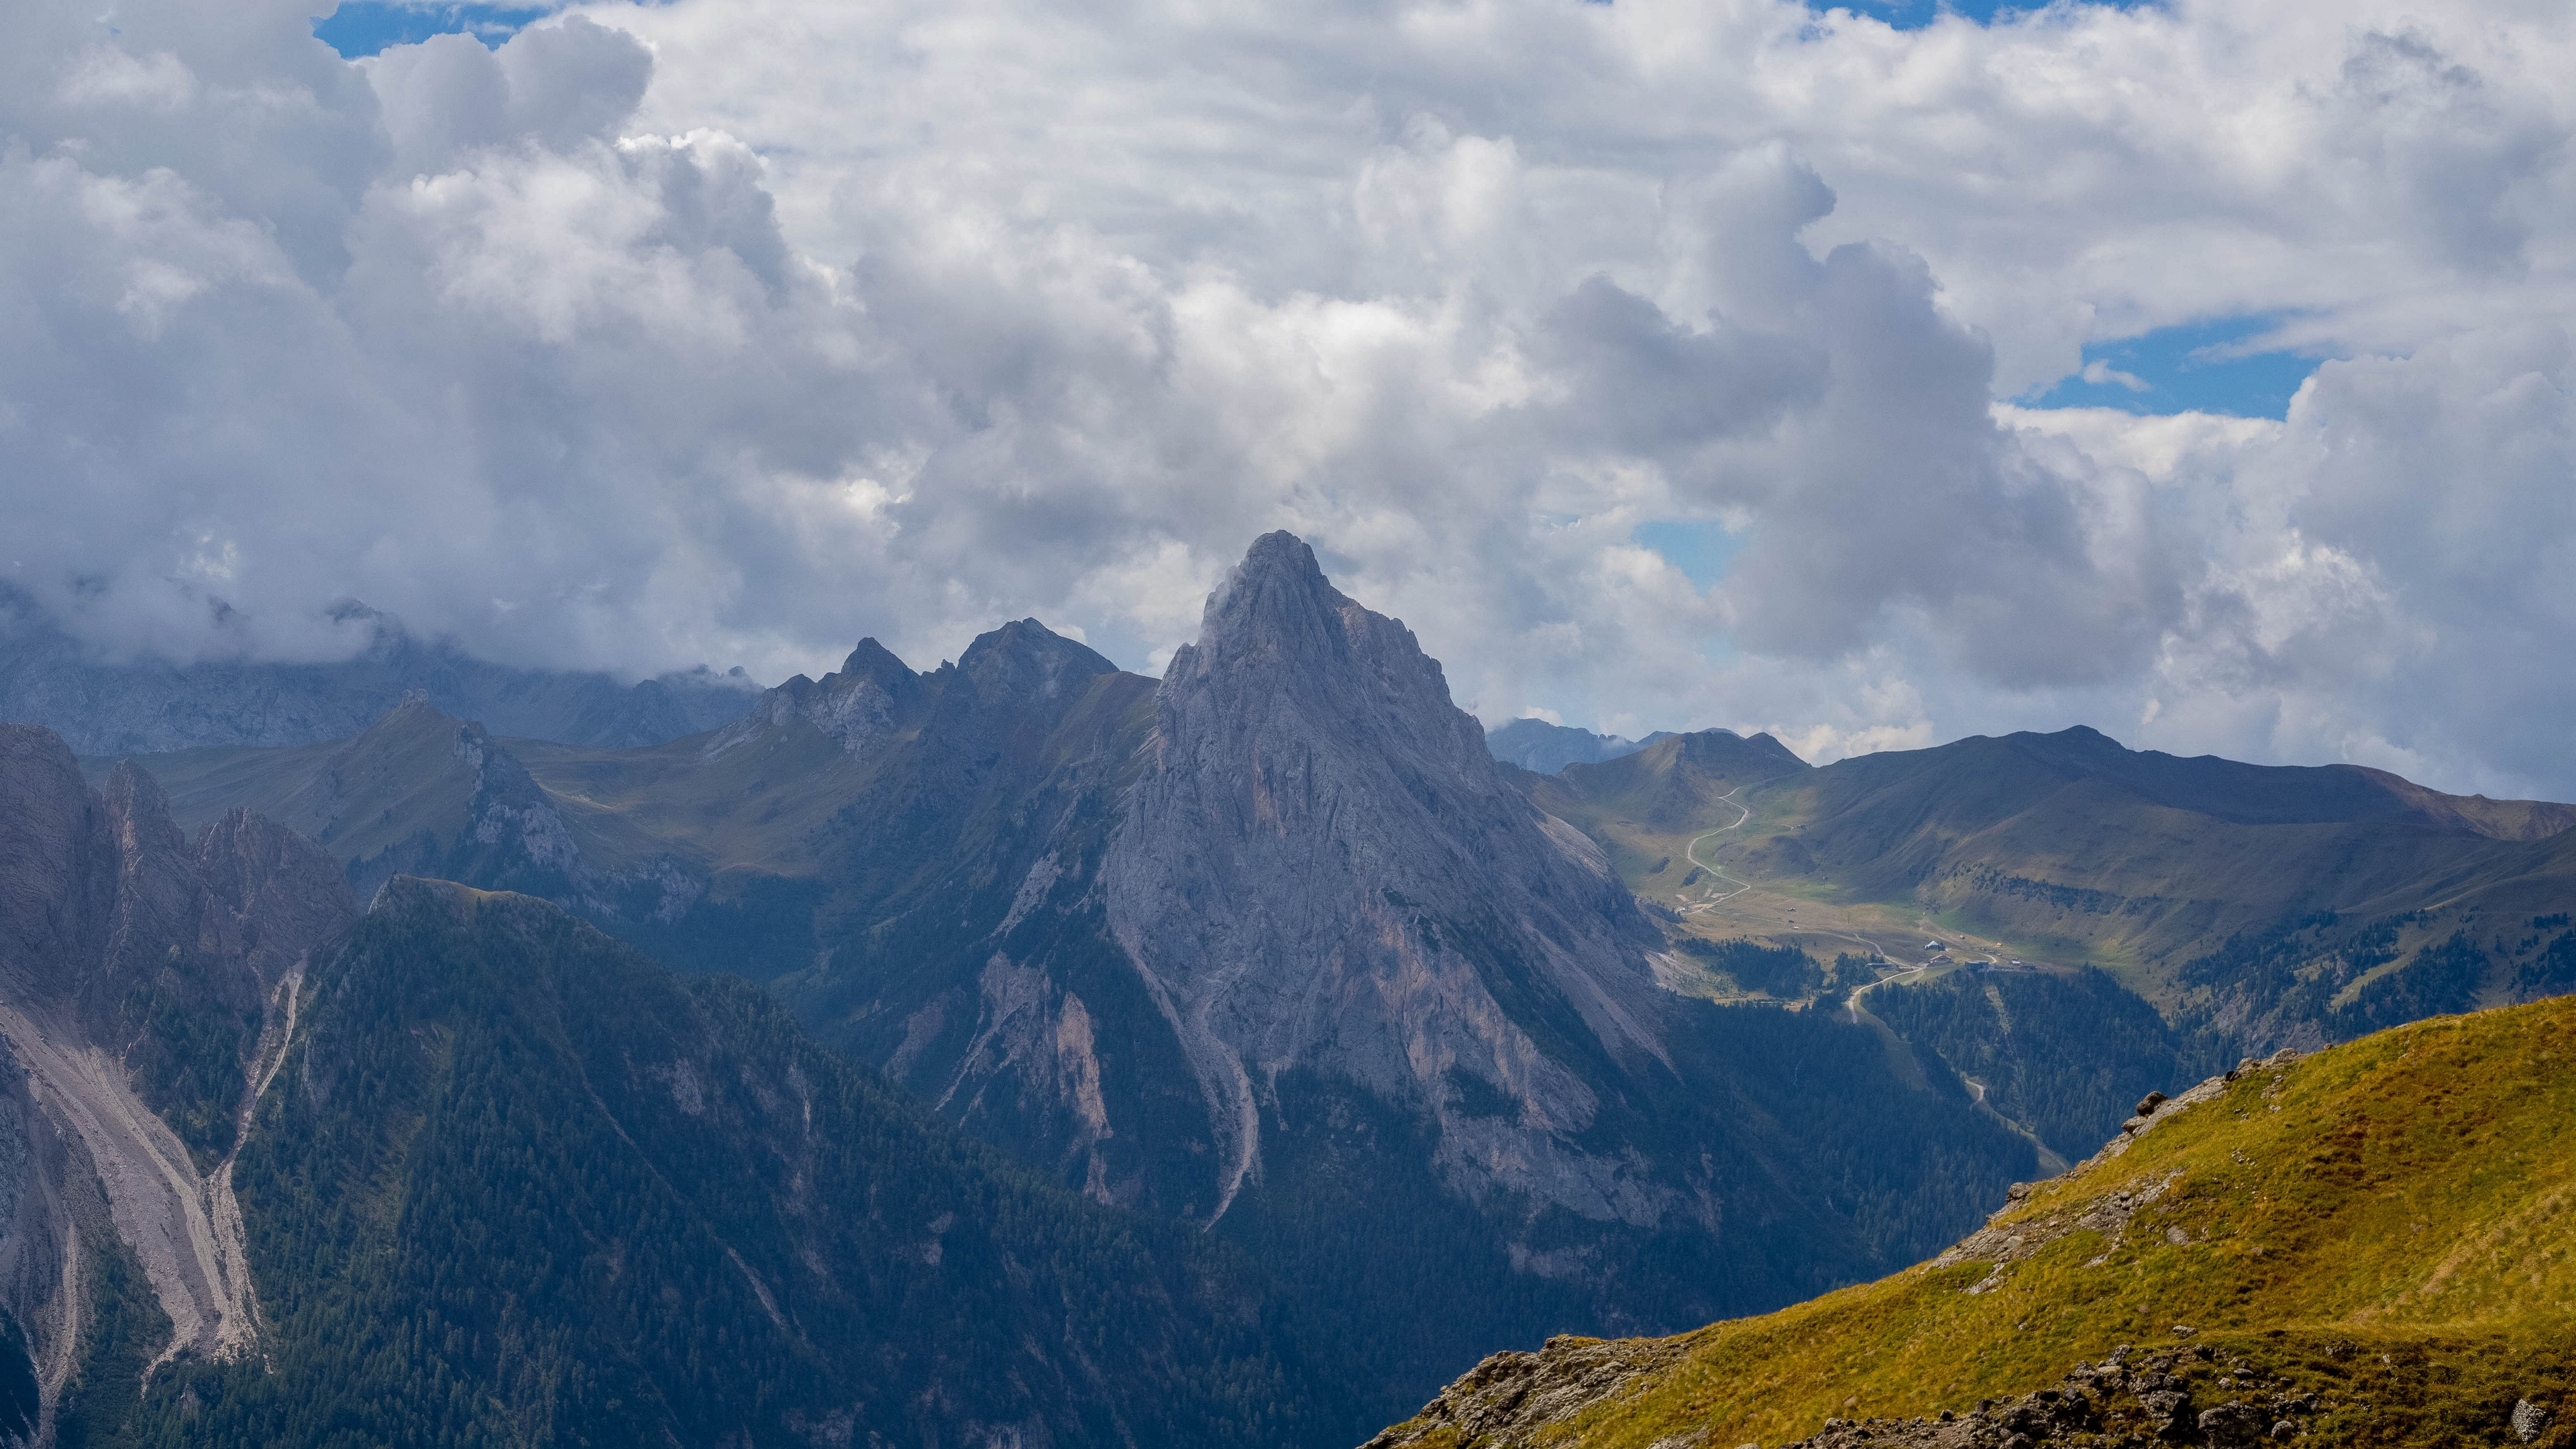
[
  {"x": 152, "y": 706},
  {"x": 1543, "y": 748}
]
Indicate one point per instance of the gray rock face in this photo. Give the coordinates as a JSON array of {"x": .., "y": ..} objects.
[
  {"x": 114, "y": 929},
  {"x": 857, "y": 704},
  {"x": 150, "y": 706},
  {"x": 1323, "y": 868}
]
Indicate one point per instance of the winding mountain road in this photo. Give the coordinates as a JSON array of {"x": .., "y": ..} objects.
[{"x": 1690, "y": 852}]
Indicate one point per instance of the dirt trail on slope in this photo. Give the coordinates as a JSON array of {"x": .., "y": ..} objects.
[
  {"x": 1690, "y": 852},
  {"x": 162, "y": 1208}
]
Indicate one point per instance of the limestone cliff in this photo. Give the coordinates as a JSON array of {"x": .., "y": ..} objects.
[{"x": 1322, "y": 868}]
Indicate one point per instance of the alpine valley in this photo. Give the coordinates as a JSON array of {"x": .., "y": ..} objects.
[{"x": 1030, "y": 1053}]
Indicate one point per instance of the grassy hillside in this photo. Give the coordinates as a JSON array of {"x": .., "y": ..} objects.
[
  {"x": 2376, "y": 1243},
  {"x": 2230, "y": 909},
  {"x": 2068, "y": 848},
  {"x": 2062, "y": 849}
]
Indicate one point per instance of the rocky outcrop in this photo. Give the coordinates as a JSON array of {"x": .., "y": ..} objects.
[
  {"x": 145, "y": 981},
  {"x": 1515, "y": 1399},
  {"x": 1323, "y": 869},
  {"x": 2117, "y": 1401},
  {"x": 860, "y": 704},
  {"x": 1279, "y": 948}
]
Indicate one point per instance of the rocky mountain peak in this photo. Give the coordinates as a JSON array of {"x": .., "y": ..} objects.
[
  {"x": 874, "y": 696},
  {"x": 139, "y": 813},
  {"x": 280, "y": 897},
  {"x": 875, "y": 663},
  {"x": 1280, "y": 648},
  {"x": 1726, "y": 751},
  {"x": 1026, "y": 662},
  {"x": 1277, "y": 602},
  {"x": 1323, "y": 870},
  {"x": 857, "y": 705}
]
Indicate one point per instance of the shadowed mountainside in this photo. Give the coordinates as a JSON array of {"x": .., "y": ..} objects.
[
  {"x": 517, "y": 1185},
  {"x": 142, "y": 975}
]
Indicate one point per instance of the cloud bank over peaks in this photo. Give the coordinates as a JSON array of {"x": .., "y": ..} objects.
[{"x": 732, "y": 332}]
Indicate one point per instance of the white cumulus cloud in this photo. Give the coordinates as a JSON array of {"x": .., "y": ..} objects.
[{"x": 731, "y": 331}]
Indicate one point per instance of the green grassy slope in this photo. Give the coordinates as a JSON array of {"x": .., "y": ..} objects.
[
  {"x": 2384, "y": 1231},
  {"x": 2139, "y": 859},
  {"x": 2252, "y": 906},
  {"x": 1674, "y": 783},
  {"x": 355, "y": 798}
]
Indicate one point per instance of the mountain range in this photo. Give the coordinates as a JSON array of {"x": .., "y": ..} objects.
[
  {"x": 1269, "y": 1048},
  {"x": 2068, "y": 922},
  {"x": 146, "y": 705},
  {"x": 1272, "y": 947},
  {"x": 1544, "y": 748},
  {"x": 465, "y": 1170}
]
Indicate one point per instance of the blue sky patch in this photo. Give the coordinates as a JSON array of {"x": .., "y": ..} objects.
[
  {"x": 1915, "y": 14},
  {"x": 1700, "y": 547},
  {"x": 2201, "y": 367},
  {"x": 364, "y": 27}
]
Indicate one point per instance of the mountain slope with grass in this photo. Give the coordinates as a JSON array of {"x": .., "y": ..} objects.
[
  {"x": 2072, "y": 843},
  {"x": 2371, "y": 1245},
  {"x": 2069, "y": 924}
]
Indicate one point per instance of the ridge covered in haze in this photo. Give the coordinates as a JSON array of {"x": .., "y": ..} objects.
[
  {"x": 1544, "y": 748},
  {"x": 145, "y": 705}
]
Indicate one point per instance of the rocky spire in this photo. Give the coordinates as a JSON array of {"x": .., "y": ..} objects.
[{"x": 1322, "y": 868}]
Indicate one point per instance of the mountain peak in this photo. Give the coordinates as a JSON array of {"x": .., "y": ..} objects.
[
  {"x": 1308, "y": 872},
  {"x": 873, "y": 661},
  {"x": 1283, "y": 553},
  {"x": 1026, "y": 660},
  {"x": 412, "y": 712},
  {"x": 1276, "y": 602}
]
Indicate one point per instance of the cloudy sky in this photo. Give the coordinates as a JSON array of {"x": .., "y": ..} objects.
[{"x": 2199, "y": 371}]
